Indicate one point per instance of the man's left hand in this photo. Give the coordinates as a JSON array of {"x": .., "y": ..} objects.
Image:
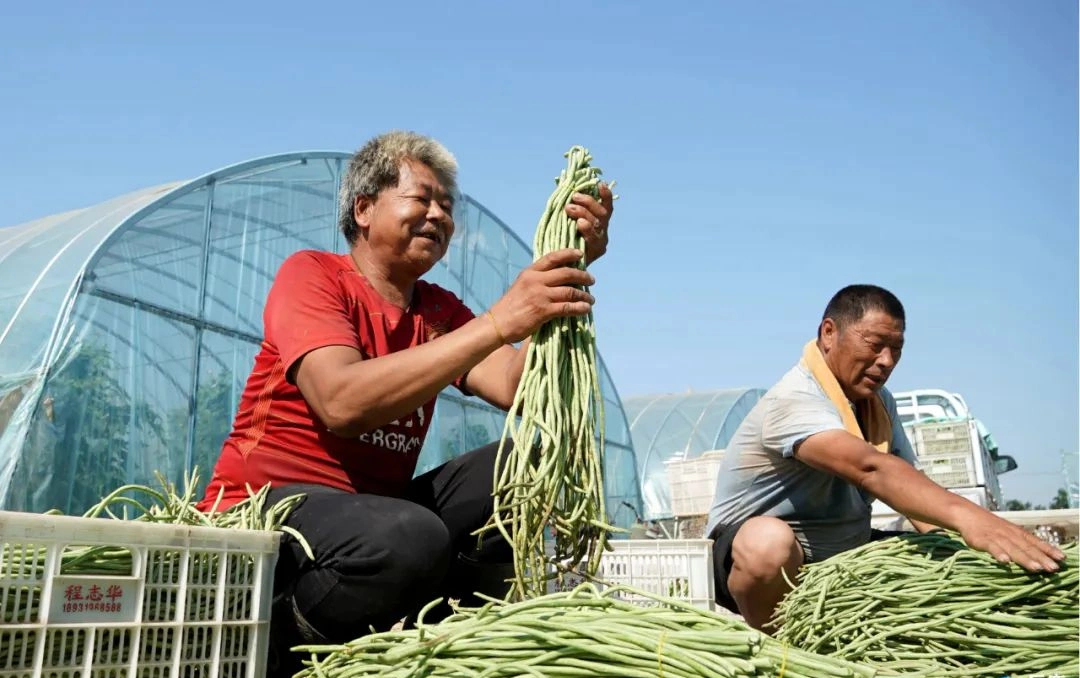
[{"x": 592, "y": 217}]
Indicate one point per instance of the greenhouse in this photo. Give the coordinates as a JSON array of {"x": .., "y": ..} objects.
[
  {"x": 127, "y": 329},
  {"x": 675, "y": 427}
]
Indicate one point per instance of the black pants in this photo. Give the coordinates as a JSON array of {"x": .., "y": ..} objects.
[{"x": 380, "y": 559}]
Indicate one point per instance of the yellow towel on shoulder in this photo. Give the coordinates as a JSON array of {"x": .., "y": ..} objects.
[{"x": 871, "y": 412}]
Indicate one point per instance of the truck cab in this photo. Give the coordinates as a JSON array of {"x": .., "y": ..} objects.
[{"x": 929, "y": 403}]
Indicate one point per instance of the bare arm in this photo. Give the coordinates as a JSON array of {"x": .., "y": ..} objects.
[
  {"x": 912, "y": 494},
  {"x": 921, "y": 526},
  {"x": 351, "y": 395},
  {"x": 495, "y": 379}
]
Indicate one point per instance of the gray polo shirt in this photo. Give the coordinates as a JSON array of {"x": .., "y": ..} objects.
[{"x": 760, "y": 476}]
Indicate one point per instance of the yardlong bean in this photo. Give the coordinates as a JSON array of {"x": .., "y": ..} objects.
[
  {"x": 584, "y": 632},
  {"x": 552, "y": 457},
  {"x": 928, "y": 605}
]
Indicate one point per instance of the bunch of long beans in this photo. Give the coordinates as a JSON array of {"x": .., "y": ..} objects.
[
  {"x": 581, "y": 633},
  {"x": 928, "y": 605},
  {"x": 550, "y": 480}
]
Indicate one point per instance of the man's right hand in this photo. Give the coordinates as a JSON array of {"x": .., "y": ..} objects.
[
  {"x": 1006, "y": 542},
  {"x": 549, "y": 288}
]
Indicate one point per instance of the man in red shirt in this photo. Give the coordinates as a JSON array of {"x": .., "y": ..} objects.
[{"x": 355, "y": 350}]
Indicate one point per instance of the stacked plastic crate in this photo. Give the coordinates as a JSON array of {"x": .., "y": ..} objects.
[
  {"x": 693, "y": 483},
  {"x": 950, "y": 452}
]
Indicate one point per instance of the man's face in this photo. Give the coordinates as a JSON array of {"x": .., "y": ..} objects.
[
  {"x": 410, "y": 223},
  {"x": 864, "y": 353}
]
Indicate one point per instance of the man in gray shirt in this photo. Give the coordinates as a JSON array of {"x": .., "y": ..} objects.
[{"x": 801, "y": 471}]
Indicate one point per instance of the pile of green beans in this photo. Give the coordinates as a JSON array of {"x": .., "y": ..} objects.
[
  {"x": 550, "y": 480},
  {"x": 928, "y": 605},
  {"x": 580, "y": 633}
]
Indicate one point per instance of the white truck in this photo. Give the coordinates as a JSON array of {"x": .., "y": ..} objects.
[{"x": 952, "y": 447}]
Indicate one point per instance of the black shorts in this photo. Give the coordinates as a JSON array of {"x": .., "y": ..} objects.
[{"x": 722, "y": 541}]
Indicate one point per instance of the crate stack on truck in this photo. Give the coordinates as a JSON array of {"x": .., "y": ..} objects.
[
  {"x": 952, "y": 448},
  {"x": 955, "y": 450},
  {"x": 954, "y": 455}
]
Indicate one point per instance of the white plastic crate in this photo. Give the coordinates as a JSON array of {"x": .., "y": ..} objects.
[
  {"x": 673, "y": 568},
  {"x": 949, "y": 470},
  {"x": 196, "y": 603},
  {"x": 693, "y": 483},
  {"x": 953, "y": 437}
]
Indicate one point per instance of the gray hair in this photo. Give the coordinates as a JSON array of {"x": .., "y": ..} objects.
[{"x": 377, "y": 166}]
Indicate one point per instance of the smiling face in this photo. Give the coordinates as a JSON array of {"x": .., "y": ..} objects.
[
  {"x": 407, "y": 227},
  {"x": 862, "y": 354}
]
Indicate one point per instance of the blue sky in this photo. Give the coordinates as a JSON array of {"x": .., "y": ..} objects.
[{"x": 766, "y": 154}]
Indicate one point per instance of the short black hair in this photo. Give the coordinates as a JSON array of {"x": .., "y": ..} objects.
[{"x": 850, "y": 304}]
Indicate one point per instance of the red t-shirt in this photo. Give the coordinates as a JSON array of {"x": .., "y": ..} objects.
[{"x": 320, "y": 299}]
